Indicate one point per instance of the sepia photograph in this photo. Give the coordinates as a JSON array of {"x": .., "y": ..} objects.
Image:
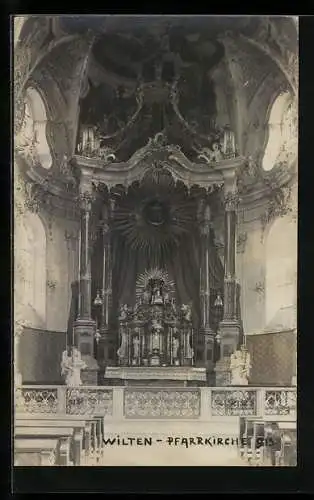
[{"x": 155, "y": 226}]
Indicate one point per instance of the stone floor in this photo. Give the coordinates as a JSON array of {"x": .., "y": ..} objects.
[
  {"x": 165, "y": 455},
  {"x": 161, "y": 453}
]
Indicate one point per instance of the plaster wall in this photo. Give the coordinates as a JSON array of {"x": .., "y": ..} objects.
[{"x": 62, "y": 270}]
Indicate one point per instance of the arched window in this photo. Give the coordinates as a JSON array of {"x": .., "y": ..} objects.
[
  {"x": 30, "y": 269},
  {"x": 35, "y": 122},
  {"x": 282, "y": 132},
  {"x": 281, "y": 274}
]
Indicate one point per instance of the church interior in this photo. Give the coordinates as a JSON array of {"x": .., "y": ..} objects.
[{"x": 155, "y": 220}]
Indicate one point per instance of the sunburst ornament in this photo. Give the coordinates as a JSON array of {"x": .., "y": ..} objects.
[
  {"x": 154, "y": 275},
  {"x": 155, "y": 216}
]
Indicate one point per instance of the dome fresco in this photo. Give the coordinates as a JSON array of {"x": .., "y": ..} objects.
[{"x": 187, "y": 77}]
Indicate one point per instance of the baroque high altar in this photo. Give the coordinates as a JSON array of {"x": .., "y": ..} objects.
[
  {"x": 154, "y": 292},
  {"x": 155, "y": 332},
  {"x": 158, "y": 299}
]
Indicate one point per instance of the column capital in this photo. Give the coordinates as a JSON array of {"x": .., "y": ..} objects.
[
  {"x": 231, "y": 201},
  {"x": 86, "y": 197}
]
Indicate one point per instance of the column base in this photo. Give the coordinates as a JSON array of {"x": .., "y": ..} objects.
[
  {"x": 107, "y": 347},
  {"x": 84, "y": 329},
  {"x": 230, "y": 331},
  {"x": 222, "y": 372},
  {"x": 89, "y": 376},
  {"x": 209, "y": 350}
]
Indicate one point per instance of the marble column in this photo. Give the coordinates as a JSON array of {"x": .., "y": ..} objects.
[
  {"x": 85, "y": 326},
  {"x": 85, "y": 263},
  {"x": 229, "y": 257},
  {"x": 106, "y": 276},
  {"x": 106, "y": 335},
  {"x": 206, "y": 344},
  {"x": 230, "y": 326}
]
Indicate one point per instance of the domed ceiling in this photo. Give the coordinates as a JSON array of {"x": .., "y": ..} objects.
[
  {"x": 149, "y": 63},
  {"x": 132, "y": 77}
]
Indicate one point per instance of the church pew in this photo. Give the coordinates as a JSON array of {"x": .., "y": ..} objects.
[
  {"x": 63, "y": 435},
  {"x": 87, "y": 440},
  {"x": 77, "y": 425},
  {"x": 32, "y": 452}
]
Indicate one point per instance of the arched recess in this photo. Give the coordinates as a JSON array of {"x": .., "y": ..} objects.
[
  {"x": 35, "y": 123},
  {"x": 281, "y": 145},
  {"x": 281, "y": 274},
  {"x": 30, "y": 270}
]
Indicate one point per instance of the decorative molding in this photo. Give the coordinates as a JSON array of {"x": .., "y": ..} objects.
[
  {"x": 231, "y": 201},
  {"x": 241, "y": 242},
  {"x": 86, "y": 197},
  {"x": 279, "y": 205},
  {"x": 168, "y": 157},
  {"x": 259, "y": 288},
  {"x": 51, "y": 284}
]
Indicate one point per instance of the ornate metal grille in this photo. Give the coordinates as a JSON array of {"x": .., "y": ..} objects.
[
  {"x": 36, "y": 400},
  {"x": 280, "y": 402},
  {"x": 233, "y": 402},
  {"x": 161, "y": 404},
  {"x": 89, "y": 401}
]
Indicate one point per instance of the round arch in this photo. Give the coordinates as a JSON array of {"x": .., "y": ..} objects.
[
  {"x": 281, "y": 143},
  {"x": 35, "y": 123}
]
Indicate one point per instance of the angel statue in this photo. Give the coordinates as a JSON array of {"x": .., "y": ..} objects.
[
  {"x": 240, "y": 366},
  {"x": 186, "y": 312},
  {"x": 71, "y": 367}
]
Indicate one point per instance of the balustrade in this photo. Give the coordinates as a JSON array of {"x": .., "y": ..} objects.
[
  {"x": 267, "y": 403},
  {"x": 86, "y": 409}
]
